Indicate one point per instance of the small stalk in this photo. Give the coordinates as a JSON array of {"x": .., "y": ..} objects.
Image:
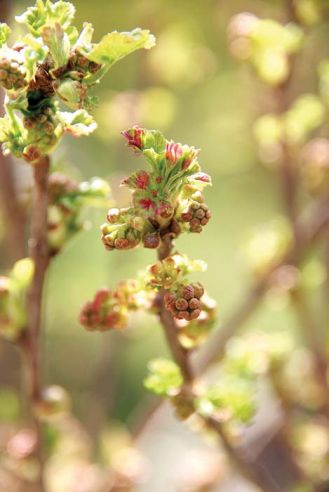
[
  {"x": 182, "y": 359},
  {"x": 38, "y": 245}
]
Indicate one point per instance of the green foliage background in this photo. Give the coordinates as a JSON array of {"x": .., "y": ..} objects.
[{"x": 191, "y": 89}]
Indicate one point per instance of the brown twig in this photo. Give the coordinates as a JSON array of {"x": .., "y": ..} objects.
[
  {"x": 13, "y": 213},
  {"x": 182, "y": 358},
  {"x": 39, "y": 253}
]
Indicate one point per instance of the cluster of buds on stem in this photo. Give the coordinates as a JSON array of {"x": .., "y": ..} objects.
[
  {"x": 54, "y": 63},
  {"x": 12, "y": 71},
  {"x": 124, "y": 229},
  {"x": 109, "y": 309},
  {"x": 67, "y": 198},
  {"x": 163, "y": 199},
  {"x": 197, "y": 216},
  {"x": 185, "y": 301}
]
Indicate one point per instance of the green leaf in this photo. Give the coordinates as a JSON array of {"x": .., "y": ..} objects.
[
  {"x": 117, "y": 45},
  {"x": 233, "y": 397},
  {"x": 95, "y": 192},
  {"x": 78, "y": 123},
  {"x": 85, "y": 37},
  {"x": 34, "y": 53},
  {"x": 48, "y": 13},
  {"x": 4, "y": 33},
  {"x": 22, "y": 272},
  {"x": 164, "y": 377},
  {"x": 58, "y": 43}
]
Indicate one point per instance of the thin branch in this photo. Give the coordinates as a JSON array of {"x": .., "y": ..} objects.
[
  {"x": 182, "y": 358},
  {"x": 39, "y": 253},
  {"x": 13, "y": 213}
]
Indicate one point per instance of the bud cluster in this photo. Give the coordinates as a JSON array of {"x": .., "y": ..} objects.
[
  {"x": 12, "y": 71},
  {"x": 110, "y": 309},
  {"x": 54, "y": 63},
  {"x": 197, "y": 216},
  {"x": 41, "y": 126},
  {"x": 66, "y": 201},
  {"x": 193, "y": 333},
  {"x": 184, "y": 302},
  {"x": 157, "y": 194},
  {"x": 125, "y": 230},
  {"x": 171, "y": 271}
]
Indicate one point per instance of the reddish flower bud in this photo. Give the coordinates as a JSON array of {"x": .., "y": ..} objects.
[
  {"x": 134, "y": 137},
  {"x": 174, "y": 151},
  {"x": 181, "y": 304},
  {"x": 142, "y": 180},
  {"x": 151, "y": 240}
]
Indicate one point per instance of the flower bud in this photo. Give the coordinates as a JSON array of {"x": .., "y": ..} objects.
[
  {"x": 151, "y": 240},
  {"x": 134, "y": 137},
  {"x": 54, "y": 402},
  {"x": 197, "y": 216},
  {"x": 184, "y": 303}
]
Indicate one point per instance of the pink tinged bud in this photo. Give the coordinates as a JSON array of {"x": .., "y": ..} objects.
[
  {"x": 142, "y": 180},
  {"x": 146, "y": 203},
  {"x": 205, "y": 178},
  {"x": 113, "y": 215},
  {"x": 187, "y": 217},
  {"x": 112, "y": 320},
  {"x": 31, "y": 153},
  {"x": 121, "y": 243},
  {"x": 182, "y": 304},
  {"x": 134, "y": 137},
  {"x": 188, "y": 292},
  {"x": 169, "y": 300},
  {"x": 190, "y": 157},
  {"x": 151, "y": 241},
  {"x": 100, "y": 297},
  {"x": 194, "y": 303},
  {"x": 195, "y": 313},
  {"x": 174, "y": 151},
  {"x": 165, "y": 210}
]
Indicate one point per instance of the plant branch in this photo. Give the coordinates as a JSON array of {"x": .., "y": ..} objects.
[
  {"x": 182, "y": 359},
  {"x": 39, "y": 253}
]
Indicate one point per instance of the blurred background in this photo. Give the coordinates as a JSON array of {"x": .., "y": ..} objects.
[{"x": 191, "y": 89}]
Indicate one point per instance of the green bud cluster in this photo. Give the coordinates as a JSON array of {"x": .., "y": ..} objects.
[
  {"x": 266, "y": 44},
  {"x": 53, "y": 63},
  {"x": 125, "y": 230},
  {"x": 67, "y": 199},
  {"x": 12, "y": 71},
  {"x": 159, "y": 197},
  {"x": 13, "y": 289}
]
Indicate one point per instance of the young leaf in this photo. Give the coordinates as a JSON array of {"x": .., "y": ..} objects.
[
  {"x": 4, "y": 33},
  {"x": 164, "y": 377},
  {"x": 78, "y": 123},
  {"x": 117, "y": 45},
  {"x": 58, "y": 43},
  {"x": 43, "y": 14}
]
